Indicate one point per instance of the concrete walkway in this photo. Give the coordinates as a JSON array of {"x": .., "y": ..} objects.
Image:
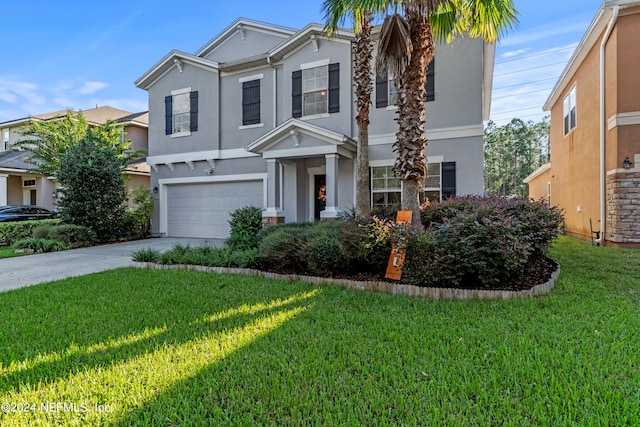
[{"x": 38, "y": 268}]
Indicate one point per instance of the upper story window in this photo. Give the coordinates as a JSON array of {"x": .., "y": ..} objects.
[
  {"x": 181, "y": 112},
  {"x": 315, "y": 86},
  {"x": 251, "y": 100},
  {"x": 387, "y": 92},
  {"x": 569, "y": 111},
  {"x": 315, "y": 89},
  {"x": 5, "y": 140}
]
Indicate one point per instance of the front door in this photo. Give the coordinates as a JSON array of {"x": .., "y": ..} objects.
[
  {"x": 320, "y": 194},
  {"x": 29, "y": 197}
]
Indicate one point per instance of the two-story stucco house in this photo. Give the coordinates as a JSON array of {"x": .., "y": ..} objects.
[
  {"x": 20, "y": 186},
  {"x": 594, "y": 172},
  {"x": 264, "y": 115}
]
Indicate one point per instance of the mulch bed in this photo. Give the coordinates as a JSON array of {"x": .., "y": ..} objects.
[{"x": 536, "y": 273}]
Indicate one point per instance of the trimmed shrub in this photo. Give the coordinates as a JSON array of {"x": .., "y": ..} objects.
[
  {"x": 325, "y": 255},
  {"x": 245, "y": 224},
  {"x": 41, "y": 231},
  {"x": 11, "y": 232},
  {"x": 284, "y": 247},
  {"x": 76, "y": 236},
  {"x": 466, "y": 251},
  {"x": 41, "y": 245},
  {"x": 280, "y": 246},
  {"x": 479, "y": 242},
  {"x": 367, "y": 243}
]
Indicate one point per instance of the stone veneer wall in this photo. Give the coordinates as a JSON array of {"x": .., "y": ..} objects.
[{"x": 623, "y": 205}]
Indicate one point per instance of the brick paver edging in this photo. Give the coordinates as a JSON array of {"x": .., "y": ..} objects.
[{"x": 386, "y": 287}]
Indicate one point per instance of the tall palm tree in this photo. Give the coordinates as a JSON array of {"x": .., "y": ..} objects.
[
  {"x": 335, "y": 13},
  {"x": 405, "y": 49}
]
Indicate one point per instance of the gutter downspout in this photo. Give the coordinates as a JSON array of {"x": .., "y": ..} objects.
[
  {"x": 603, "y": 172},
  {"x": 275, "y": 92}
]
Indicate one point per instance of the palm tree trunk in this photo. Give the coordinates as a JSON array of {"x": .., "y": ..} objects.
[
  {"x": 410, "y": 163},
  {"x": 363, "y": 87}
]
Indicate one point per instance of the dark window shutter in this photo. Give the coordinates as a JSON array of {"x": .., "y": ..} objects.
[
  {"x": 448, "y": 180},
  {"x": 382, "y": 91},
  {"x": 251, "y": 102},
  {"x": 168, "y": 115},
  {"x": 296, "y": 94},
  {"x": 193, "y": 117},
  {"x": 430, "y": 86},
  {"x": 334, "y": 88}
]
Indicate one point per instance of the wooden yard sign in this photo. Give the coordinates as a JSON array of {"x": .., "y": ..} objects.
[{"x": 396, "y": 260}]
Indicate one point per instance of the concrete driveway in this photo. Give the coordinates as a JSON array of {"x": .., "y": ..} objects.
[{"x": 38, "y": 268}]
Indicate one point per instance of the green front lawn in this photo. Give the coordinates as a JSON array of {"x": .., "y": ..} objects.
[
  {"x": 139, "y": 347},
  {"x": 9, "y": 252}
]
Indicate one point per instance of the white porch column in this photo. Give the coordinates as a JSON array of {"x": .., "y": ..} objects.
[
  {"x": 331, "y": 209},
  {"x": 3, "y": 189},
  {"x": 273, "y": 213}
]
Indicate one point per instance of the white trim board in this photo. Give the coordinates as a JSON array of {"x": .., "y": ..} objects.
[
  {"x": 624, "y": 119},
  {"x": 434, "y": 134},
  {"x": 196, "y": 156}
]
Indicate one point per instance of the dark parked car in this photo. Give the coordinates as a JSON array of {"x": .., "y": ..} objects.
[{"x": 24, "y": 213}]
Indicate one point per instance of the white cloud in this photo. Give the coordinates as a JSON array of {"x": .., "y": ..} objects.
[
  {"x": 92, "y": 87},
  {"x": 513, "y": 53}
]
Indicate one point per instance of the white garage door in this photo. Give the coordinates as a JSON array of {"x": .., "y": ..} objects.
[{"x": 203, "y": 210}]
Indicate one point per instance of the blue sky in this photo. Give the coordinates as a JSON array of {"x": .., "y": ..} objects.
[{"x": 80, "y": 55}]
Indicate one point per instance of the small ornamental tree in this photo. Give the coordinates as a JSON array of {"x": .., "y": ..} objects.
[{"x": 93, "y": 189}]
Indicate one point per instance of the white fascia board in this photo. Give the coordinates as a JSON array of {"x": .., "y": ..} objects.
[
  {"x": 228, "y": 32},
  {"x": 304, "y": 36},
  {"x": 301, "y": 152},
  {"x": 434, "y": 134},
  {"x": 9, "y": 170},
  {"x": 536, "y": 173},
  {"x": 488, "y": 62},
  {"x": 167, "y": 63},
  {"x": 196, "y": 156}
]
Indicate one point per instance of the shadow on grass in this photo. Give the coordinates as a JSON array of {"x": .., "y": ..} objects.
[{"x": 55, "y": 333}]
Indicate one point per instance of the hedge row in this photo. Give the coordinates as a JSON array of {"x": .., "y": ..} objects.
[
  {"x": 11, "y": 232},
  {"x": 466, "y": 242}
]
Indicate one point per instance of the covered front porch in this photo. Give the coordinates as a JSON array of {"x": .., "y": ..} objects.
[{"x": 310, "y": 172}]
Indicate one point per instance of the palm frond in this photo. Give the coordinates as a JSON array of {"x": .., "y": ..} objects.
[{"x": 394, "y": 47}]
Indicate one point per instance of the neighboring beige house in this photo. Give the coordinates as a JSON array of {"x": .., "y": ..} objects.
[
  {"x": 594, "y": 172},
  {"x": 18, "y": 186}
]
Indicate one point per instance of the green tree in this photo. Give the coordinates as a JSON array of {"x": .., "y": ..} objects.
[
  {"x": 335, "y": 13},
  {"x": 512, "y": 152},
  {"x": 405, "y": 49},
  {"x": 93, "y": 189},
  {"x": 49, "y": 140}
]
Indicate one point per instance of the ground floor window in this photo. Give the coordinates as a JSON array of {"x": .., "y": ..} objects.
[
  {"x": 386, "y": 187},
  {"x": 432, "y": 186}
]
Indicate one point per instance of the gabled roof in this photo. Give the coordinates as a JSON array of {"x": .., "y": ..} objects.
[
  {"x": 173, "y": 59},
  {"x": 590, "y": 38},
  {"x": 138, "y": 119},
  {"x": 292, "y": 40},
  {"x": 15, "y": 160},
  {"x": 336, "y": 142},
  {"x": 228, "y": 32},
  {"x": 98, "y": 115},
  {"x": 301, "y": 37}
]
